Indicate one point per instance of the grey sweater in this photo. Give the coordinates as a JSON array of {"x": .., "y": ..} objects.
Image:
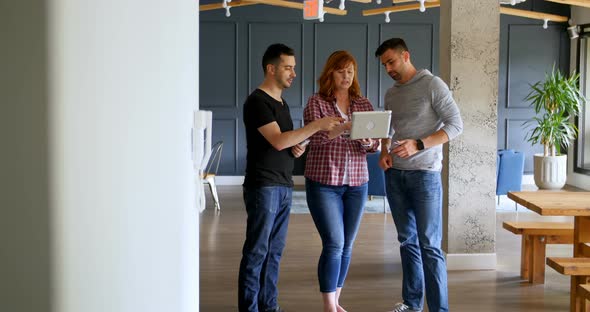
[{"x": 420, "y": 107}]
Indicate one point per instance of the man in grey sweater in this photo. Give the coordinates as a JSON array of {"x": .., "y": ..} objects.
[{"x": 424, "y": 116}]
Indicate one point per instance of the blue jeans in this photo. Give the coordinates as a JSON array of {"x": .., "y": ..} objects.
[
  {"x": 268, "y": 211},
  {"x": 415, "y": 199},
  {"x": 337, "y": 213}
]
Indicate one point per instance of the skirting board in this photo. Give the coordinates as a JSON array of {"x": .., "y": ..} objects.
[
  {"x": 300, "y": 180},
  {"x": 470, "y": 262},
  {"x": 239, "y": 180}
]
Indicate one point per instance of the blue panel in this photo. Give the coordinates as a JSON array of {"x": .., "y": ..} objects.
[
  {"x": 297, "y": 121},
  {"x": 527, "y": 52},
  {"x": 418, "y": 38},
  {"x": 217, "y": 71},
  {"x": 231, "y": 52},
  {"x": 532, "y": 51},
  {"x": 334, "y": 37},
  {"x": 225, "y": 130},
  {"x": 516, "y": 139},
  {"x": 260, "y": 37}
]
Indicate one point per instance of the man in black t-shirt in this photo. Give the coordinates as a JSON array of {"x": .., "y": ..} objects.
[{"x": 272, "y": 145}]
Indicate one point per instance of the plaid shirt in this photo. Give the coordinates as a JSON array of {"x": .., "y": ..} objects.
[{"x": 326, "y": 158}]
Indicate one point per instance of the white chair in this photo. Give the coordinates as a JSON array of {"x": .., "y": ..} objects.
[{"x": 210, "y": 171}]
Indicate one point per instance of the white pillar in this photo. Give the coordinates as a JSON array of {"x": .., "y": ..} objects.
[
  {"x": 99, "y": 212},
  {"x": 469, "y": 61}
]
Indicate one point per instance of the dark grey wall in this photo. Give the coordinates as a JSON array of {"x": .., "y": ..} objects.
[
  {"x": 26, "y": 216},
  {"x": 527, "y": 52},
  {"x": 232, "y": 48}
]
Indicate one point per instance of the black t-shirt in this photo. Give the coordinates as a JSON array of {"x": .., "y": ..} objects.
[{"x": 265, "y": 165}]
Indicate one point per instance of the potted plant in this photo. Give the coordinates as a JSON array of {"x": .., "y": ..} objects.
[{"x": 556, "y": 100}]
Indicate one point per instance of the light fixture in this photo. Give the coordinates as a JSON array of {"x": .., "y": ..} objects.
[
  {"x": 341, "y": 7},
  {"x": 226, "y": 7},
  {"x": 545, "y": 20},
  {"x": 573, "y": 31},
  {"x": 422, "y": 7},
  {"x": 387, "y": 20}
]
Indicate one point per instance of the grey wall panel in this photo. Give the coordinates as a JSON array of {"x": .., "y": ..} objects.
[
  {"x": 260, "y": 36},
  {"x": 419, "y": 38},
  {"x": 334, "y": 37},
  {"x": 231, "y": 53},
  {"x": 532, "y": 51},
  {"x": 225, "y": 130},
  {"x": 218, "y": 64},
  {"x": 515, "y": 139},
  {"x": 527, "y": 52}
]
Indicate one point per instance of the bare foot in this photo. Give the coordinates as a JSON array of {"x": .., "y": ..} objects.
[{"x": 339, "y": 308}]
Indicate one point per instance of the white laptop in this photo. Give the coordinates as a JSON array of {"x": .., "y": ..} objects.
[{"x": 370, "y": 125}]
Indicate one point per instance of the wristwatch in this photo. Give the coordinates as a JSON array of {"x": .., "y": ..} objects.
[{"x": 420, "y": 144}]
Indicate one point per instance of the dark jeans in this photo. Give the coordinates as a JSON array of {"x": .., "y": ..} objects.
[
  {"x": 337, "y": 212},
  {"x": 415, "y": 200},
  {"x": 268, "y": 211}
]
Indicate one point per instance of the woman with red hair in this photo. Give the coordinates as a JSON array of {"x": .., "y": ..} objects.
[{"x": 336, "y": 172}]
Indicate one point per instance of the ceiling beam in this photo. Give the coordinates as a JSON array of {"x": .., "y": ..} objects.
[
  {"x": 532, "y": 14},
  {"x": 582, "y": 3},
  {"x": 401, "y": 8},
  {"x": 215, "y": 6},
  {"x": 406, "y": 1},
  {"x": 294, "y": 5}
]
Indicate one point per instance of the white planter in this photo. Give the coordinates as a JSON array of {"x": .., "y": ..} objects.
[{"x": 550, "y": 171}]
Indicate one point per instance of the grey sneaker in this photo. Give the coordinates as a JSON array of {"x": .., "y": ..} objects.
[{"x": 400, "y": 307}]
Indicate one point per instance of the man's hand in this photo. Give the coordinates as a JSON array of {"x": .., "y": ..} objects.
[
  {"x": 406, "y": 148},
  {"x": 329, "y": 123},
  {"x": 366, "y": 142},
  {"x": 385, "y": 161},
  {"x": 298, "y": 150}
]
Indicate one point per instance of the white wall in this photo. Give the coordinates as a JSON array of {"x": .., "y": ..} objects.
[
  {"x": 579, "y": 16},
  {"x": 97, "y": 206}
]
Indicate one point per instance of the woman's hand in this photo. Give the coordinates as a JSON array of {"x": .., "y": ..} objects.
[{"x": 366, "y": 142}]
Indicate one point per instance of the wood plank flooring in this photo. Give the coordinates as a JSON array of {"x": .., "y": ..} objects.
[{"x": 374, "y": 280}]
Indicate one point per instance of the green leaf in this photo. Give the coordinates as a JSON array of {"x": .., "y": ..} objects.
[{"x": 555, "y": 100}]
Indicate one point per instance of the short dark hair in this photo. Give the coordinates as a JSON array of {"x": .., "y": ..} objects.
[
  {"x": 394, "y": 43},
  {"x": 273, "y": 53}
]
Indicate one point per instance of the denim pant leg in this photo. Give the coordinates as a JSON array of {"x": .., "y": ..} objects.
[
  {"x": 354, "y": 199},
  {"x": 336, "y": 212},
  {"x": 404, "y": 218},
  {"x": 426, "y": 189},
  {"x": 266, "y": 231},
  {"x": 267, "y": 298}
]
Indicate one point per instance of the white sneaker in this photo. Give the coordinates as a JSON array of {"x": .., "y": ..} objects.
[{"x": 400, "y": 307}]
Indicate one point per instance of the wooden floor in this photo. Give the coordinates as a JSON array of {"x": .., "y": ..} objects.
[{"x": 374, "y": 281}]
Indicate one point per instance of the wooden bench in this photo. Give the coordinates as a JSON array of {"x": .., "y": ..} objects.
[
  {"x": 535, "y": 235},
  {"x": 584, "y": 294},
  {"x": 579, "y": 270}
]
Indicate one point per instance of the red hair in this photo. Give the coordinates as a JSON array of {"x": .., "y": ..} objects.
[{"x": 338, "y": 60}]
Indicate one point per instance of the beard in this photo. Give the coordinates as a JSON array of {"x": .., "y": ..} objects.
[
  {"x": 395, "y": 76},
  {"x": 284, "y": 83}
]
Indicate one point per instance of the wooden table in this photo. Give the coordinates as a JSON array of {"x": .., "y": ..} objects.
[{"x": 576, "y": 204}]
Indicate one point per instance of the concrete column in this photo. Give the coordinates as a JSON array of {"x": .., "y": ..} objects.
[{"x": 469, "y": 60}]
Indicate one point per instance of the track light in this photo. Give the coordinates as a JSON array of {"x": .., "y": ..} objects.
[{"x": 573, "y": 31}]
